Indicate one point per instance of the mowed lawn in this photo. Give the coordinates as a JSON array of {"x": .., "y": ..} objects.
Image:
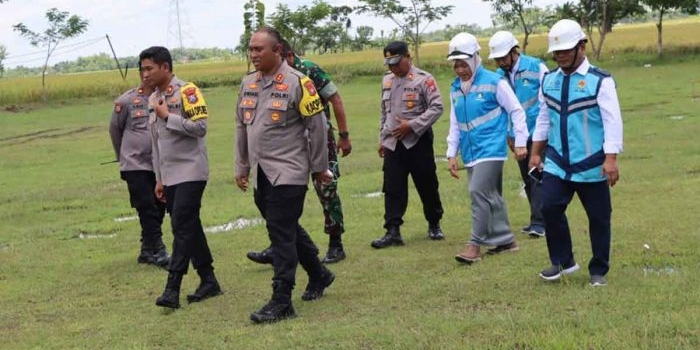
[{"x": 69, "y": 278}]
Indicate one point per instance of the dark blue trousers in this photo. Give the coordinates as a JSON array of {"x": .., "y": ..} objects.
[{"x": 595, "y": 197}]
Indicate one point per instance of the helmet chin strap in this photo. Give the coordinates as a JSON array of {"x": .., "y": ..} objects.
[{"x": 572, "y": 66}]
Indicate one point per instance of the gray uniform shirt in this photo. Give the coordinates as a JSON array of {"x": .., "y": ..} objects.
[
  {"x": 281, "y": 127},
  {"x": 414, "y": 97},
  {"x": 179, "y": 146},
  {"x": 129, "y": 132}
]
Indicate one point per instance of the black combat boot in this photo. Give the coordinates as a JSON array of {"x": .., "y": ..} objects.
[
  {"x": 146, "y": 254},
  {"x": 392, "y": 237},
  {"x": 160, "y": 255},
  {"x": 208, "y": 286},
  {"x": 278, "y": 308},
  {"x": 435, "y": 232},
  {"x": 315, "y": 288},
  {"x": 171, "y": 295},
  {"x": 335, "y": 250},
  {"x": 262, "y": 257}
]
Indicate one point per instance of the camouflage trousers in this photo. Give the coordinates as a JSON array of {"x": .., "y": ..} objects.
[{"x": 328, "y": 194}]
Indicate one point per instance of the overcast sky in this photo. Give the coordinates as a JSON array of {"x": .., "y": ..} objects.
[{"x": 134, "y": 25}]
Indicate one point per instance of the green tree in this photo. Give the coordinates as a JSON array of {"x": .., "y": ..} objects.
[
  {"x": 3, "y": 55},
  {"x": 409, "y": 18},
  {"x": 61, "y": 26},
  {"x": 600, "y": 15},
  {"x": 363, "y": 37},
  {"x": 253, "y": 18},
  {"x": 302, "y": 25},
  {"x": 513, "y": 11},
  {"x": 664, "y": 6}
]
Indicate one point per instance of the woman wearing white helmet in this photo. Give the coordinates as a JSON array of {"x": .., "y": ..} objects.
[
  {"x": 525, "y": 75},
  {"x": 482, "y": 101},
  {"x": 581, "y": 126}
]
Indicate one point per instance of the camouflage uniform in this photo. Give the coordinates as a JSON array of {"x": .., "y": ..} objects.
[{"x": 328, "y": 195}]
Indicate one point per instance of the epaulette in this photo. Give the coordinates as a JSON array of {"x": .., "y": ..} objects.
[
  {"x": 297, "y": 73},
  {"x": 125, "y": 96},
  {"x": 599, "y": 72}
]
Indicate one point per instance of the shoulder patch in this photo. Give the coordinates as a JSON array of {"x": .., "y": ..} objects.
[
  {"x": 310, "y": 103},
  {"x": 118, "y": 107},
  {"x": 193, "y": 102},
  {"x": 430, "y": 85}
]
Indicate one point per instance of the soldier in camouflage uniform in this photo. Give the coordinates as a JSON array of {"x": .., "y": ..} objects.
[{"x": 328, "y": 195}]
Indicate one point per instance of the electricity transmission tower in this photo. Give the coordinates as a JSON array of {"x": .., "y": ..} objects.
[{"x": 178, "y": 26}]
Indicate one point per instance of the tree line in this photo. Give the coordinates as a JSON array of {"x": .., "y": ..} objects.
[{"x": 323, "y": 28}]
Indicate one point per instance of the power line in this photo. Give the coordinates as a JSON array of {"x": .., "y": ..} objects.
[
  {"x": 61, "y": 50},
  {"x": 62, "y": 46}
]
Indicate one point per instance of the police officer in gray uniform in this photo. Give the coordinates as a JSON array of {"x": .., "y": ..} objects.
[
  {"x": 280, "y": 140},
  {"x": 178, "y": 119},
  {"x": 131, "y": 140},
  {"x": 411, "y": 104}
]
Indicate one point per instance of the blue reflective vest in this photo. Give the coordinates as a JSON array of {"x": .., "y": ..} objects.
[
  {"x": 482, "y": 122},
  {"x": 526, "y": 86},
  {"x": 575, "y": 139}
]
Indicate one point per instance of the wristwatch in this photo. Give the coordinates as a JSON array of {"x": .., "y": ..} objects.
[{"x": 344, "y": 135}]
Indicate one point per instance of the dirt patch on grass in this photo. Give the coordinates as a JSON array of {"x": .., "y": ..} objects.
[
  {"x": 2, "y": 139},
  {"x": 43, "y": 134}
]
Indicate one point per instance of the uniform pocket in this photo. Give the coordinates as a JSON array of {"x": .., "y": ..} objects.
[
  {"x": 247, "y": 106},
  {"x": 139, "y": 119},
  {"x": 410, "y": 103},
  {"x": 276, "y": 112}
]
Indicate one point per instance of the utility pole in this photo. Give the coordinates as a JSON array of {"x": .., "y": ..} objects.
[{"x": 123, "y": 74}]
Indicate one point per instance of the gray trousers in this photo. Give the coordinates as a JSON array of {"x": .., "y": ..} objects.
[{"x": 490, "y": 226}]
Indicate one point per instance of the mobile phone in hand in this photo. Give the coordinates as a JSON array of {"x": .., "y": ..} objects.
[{"x": 536, "y": 174}]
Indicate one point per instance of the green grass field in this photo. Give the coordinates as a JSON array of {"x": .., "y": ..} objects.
[{"x": 69, "y": 278}]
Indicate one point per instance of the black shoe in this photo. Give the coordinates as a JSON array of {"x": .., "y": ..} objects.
[
  {"x": 334, "y": 255},
  {"x": 146, "y": 257},
  {"x": 435, "y": 233},
  {"x": 314, "y": 289},
  {"x": 273, "y": 311},
  {"x": 170, "y": 299},
  {"x": 208, "y": 288},
  {"x": 392, "y": 237},
  {"x": 161, "y": 258},
  {"x": 262, "y": 257}
]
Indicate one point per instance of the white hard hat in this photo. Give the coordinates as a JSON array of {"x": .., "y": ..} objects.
[
  {"x": 462, "y": 46},
  {"x": 501, "y": 43},
  {"x": 565, "y": 35}
]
